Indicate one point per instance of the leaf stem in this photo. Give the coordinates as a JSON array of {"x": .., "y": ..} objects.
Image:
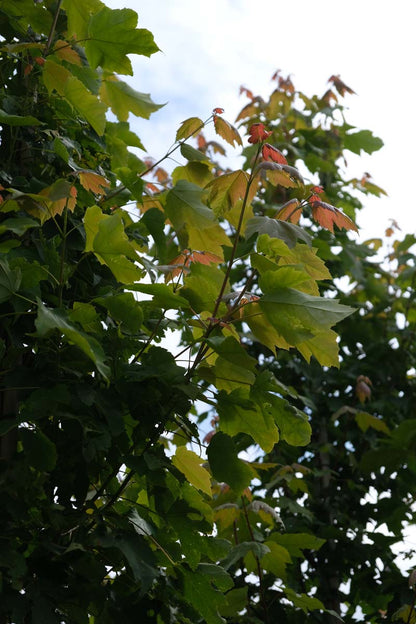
[{"x": 53, "y": 27}]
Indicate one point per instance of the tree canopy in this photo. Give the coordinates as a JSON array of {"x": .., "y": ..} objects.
[{"x": 245, "y": 474}]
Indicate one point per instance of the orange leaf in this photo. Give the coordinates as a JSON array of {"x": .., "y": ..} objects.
[
  {"x": 186, "y": 257},
  {"x": 327, "y": 215},
  {"x": 340, "y": 86},
  {"x": 227, "y": 131},
  {"x": 93, "y": 182},
  {"x": 247, "y": 92},
  {"x": 258, "y": 133},
  {"x": 290, "y": 211},
  {"x": 63, "y": 50},
  {"x": 218, "y": 111},
  {"x": 272, "y": 153}
]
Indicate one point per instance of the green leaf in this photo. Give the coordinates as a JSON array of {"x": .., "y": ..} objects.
[
  {"x": 112, "y": 35},
  {"x": 303, "y": 601},
  {"x": 58, "y": 78},
  {"x": 202, "y": 285},
  {"x": 238, "y": 414},
  {"x": 189, "y": 127},
  {"x": 287, "y": 232},
  {"x": 296, "y": 542},
  {"x": 225, "y": 464},
  {"x": 18, "y": 120},
  {"x": 125, "y": 309},
  {"x": 164, "y": 295},
  {"x": 226, "y": 190},
  {"x": 39, "y": 449},
  {"x": 192, "y": 154},
  {"x": 365, "y": 421},
  {"x": 241, "y": 550},
  {"x": 48, "y": 320},
  {"x": 193, "y": 220},
  {"x": 276, "y": 560},
  {"x": 123, "y": 99},
  {"x": 200, "y": 593},
  {"x": 105, "y": 236},
  {"x": 78, "y": 15},
  {"x": 293, "y": 424},
  {"x": 189, "y": 463},
  {"x": 198, "y": 173},
  {"x": 236, "y": 601},
  {"x": 362, "y": 140},
  {"x": 297, "y": 316},
  {"x": 9, "y": 281},
  {"x": 234, "y": 367},
  {"x": 87, "y": 104}
]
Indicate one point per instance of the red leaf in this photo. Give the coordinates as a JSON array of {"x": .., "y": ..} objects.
[
  {"x": 246, "y": 92},
  {"x": 340, "y": 86},
  {"x": 327, "y": 215},
  {"x": 186, "y": 257},
  {"x": 317, "y": 189},
  {"x": 258, "y": 133},
  {"x": 272, "y": 153},
  {"x": 218, "y": 111}
]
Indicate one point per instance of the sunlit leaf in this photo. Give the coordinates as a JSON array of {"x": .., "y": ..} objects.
[
  {"x": 193, "y": 220},
  {"x": 189, "y": 127},
  {"x": 105, "y": 236},
  {"x": 189, "y": 463},
  {"x": 94, "y": 182},
  {"x": 123, "y": 99},
  {"x": 226, "y": 190},
  {"x": 290, "y": 211},
  {"x": 227, "y": 131},
  {"x": 327, "y": 216},
  {"x": 112, "y": 35}
]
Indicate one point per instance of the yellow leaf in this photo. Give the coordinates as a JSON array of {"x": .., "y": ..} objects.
[{"x": 189, "y": 463}]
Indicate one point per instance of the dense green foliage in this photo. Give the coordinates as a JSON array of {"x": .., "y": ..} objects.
[{"x": 112, "y": 507}]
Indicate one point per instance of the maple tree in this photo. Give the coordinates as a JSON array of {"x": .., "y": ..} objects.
[{"x": 128, "y": 513}]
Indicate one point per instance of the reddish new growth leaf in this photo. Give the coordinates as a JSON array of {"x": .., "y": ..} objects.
[
  {"x": 186, "y": 257},
  {"x": 317, "y": 189},
  {"x": 272, "y": 153},
  {"x": 284, "y": 84},
  {"x": 290, "y": 211},
  {"x": 340, "y": 86},
  {"x": 327, "y": 215},
  {"x": 247, "y": 92},
  {"x": 201, "y": 141},
  {"x": 363, "y": 388},
  {"x": 329, "y": 96},
  {"x": 218, "y": 111},
  {"x": 258, "y": 133}
]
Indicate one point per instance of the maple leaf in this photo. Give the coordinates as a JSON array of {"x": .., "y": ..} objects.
[
  {"x": 272, "y": 153},
  {"x": 340, "y": 86},
  {"x": 63, "y": 50},
  {"x": 186, "y": 257},
  {"x": 218, "y": 111},
  {"x": 93, "y": 182},
  {"x": 247, "y": 92},
  {"x": 290, "y": 211},
  {"x": 327, "y": 215},
  {"x": 363, "y": 388},
  {"x": 258, "y": 133},
  {"x": 227, "y": 131}
]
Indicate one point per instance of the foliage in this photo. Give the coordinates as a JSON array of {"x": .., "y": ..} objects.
[{"x": 102, "y": 254}]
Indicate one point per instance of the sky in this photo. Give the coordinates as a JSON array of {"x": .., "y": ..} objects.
[{"x": 209, "y": 49}]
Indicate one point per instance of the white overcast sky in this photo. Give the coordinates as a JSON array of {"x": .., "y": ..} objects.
[{"x": 210, "y": 48}]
